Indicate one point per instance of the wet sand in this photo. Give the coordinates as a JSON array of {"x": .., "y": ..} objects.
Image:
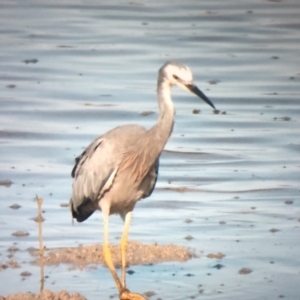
[
  {"x": 45, "y": 295},
  {"x": 228, "y": 184},
  {"x": 137, "y": 254}
]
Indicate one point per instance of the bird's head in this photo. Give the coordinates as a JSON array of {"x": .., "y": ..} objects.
[{"x": 181, "y": 75}]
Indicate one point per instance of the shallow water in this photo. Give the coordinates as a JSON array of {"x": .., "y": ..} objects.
[{"x": 96, "y": 69}]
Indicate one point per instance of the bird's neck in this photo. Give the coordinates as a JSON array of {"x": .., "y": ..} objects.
[
  {"x": 148, "y": 148},
  {"x": 164, "y": 125}
]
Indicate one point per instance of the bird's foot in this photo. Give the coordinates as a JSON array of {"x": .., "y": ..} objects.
[{"x": 125, "y": 294}]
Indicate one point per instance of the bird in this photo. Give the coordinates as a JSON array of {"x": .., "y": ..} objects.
[{"x": 120, "y": 167}]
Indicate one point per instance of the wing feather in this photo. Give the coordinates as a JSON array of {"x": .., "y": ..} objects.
[
  {"x": 94, "y": 171},
  {"x": 152, "y": 177},
  {"x": 97, "y": 166}
]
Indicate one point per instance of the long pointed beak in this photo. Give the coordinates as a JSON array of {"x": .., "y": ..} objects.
[{"x": 194, "y": 89}]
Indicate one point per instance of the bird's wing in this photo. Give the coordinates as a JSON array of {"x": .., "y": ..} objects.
[
  {"x": 152, "y": 177},
  {"x": 94, "y": 171}
]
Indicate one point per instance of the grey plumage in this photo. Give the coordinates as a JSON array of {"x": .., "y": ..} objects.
[
  {"x": 96, "y": 173},
  {"x": 121, "y": 166}
]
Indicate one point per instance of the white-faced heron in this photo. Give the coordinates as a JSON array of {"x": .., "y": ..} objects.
[{"x": 120, "y": 167}]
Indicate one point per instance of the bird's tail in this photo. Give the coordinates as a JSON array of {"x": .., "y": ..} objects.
[{"x": 83, "y": 211}]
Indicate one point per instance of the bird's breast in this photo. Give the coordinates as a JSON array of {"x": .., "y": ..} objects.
[{"x": 123, "y": 195}]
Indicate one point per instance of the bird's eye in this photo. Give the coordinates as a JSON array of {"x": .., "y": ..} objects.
[{"x": 175, "y": 77}]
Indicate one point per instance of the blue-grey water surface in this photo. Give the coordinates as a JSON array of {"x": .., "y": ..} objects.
[{"x": 71, "y": 70}]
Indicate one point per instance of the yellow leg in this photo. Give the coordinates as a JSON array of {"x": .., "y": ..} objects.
[
  {"x": 127, "y": 295},
  {"x": 123, "y": 246},
  {"x": 107, "y": 255},
  {"x": 124, "y": 293}
]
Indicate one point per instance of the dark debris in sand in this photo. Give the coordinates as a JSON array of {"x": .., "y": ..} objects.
[
  {"x": 137, "y": 254},
  {"x": 44, "y": 295},
  {"x": 218, "y": 255},
  {"x": 20, "y": 233},
  {"x": 6, "y": 183},
  {"x": 9, "y": 264},
  {"x": 15, "y": 206},
  {"x": 245, "y": 271}
]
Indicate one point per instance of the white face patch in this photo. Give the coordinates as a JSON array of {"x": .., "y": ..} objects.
[
  {"x": 185, "y": 74},
  {"x": 177, "y": 73}
]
